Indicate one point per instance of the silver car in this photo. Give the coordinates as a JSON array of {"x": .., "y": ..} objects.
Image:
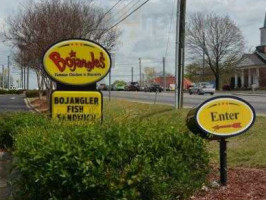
[{"x": 202, "y": 88}]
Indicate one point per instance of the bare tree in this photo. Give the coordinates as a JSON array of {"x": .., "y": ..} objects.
[
  {"x": 40, "y": 24},
  {"x": 218, "y": 38},
  {"x": 150, "y": 73}
]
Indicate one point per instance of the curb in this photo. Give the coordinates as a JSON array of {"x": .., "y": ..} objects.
[
  {"x": 165, "y": 104},
  {"x": 248, "y": 94}
]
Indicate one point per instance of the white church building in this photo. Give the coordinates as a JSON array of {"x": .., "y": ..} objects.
[{"x": 252, "y": 67}]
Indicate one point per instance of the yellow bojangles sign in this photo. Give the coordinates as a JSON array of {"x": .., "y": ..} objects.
[
  {"x": 77, "y": 62},
  {"x": 223, "y": 116},
  {"x": 76, "y": 106}
]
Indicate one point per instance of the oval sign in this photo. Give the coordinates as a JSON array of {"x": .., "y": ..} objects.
[
  {"x": 223, "y": 116},
  {"x": 77, "y": 62}
]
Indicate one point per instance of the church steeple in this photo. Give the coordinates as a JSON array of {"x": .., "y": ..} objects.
[
  {"x": 263, "y": 34},
  {"x": 264, "y": 22}
]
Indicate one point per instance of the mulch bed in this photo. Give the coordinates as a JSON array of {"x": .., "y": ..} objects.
[
  {"x": 40, "y": 104},
  {"x": 243, "y": 184}
]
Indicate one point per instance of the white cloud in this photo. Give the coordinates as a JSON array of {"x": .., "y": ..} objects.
[{"x": 145, "y": 33}]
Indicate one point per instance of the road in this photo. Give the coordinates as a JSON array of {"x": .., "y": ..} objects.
[
  {"x": 12, "y": 103},
  {"x": 257, "y": 101}
]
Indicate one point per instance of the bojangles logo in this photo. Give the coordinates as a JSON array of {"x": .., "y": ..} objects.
[{"x": 73, "y": 62}]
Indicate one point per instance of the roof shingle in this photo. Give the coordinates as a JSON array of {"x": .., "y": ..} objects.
[{"x": 252, "y": 60}]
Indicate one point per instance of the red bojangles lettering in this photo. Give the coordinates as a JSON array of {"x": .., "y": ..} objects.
[{"x": 73, "y": 62}]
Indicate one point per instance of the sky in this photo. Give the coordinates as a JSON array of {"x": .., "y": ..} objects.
[{"x": 146, "y": 33}]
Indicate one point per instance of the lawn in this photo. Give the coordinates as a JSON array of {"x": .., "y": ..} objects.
[{"x": 247, "y": 150}]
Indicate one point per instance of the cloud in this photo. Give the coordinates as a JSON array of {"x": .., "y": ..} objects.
[{"x": 145, "y": 33}]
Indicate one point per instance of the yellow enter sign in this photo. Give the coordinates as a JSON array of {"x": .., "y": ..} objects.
[
  {"x": 76, "y": 105},
  {"x": 225, "y": 116}
]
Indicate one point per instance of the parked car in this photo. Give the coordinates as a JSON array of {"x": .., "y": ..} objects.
[
  {"x": 12, "y": 88},
  {"x": 119, "y": 87},
  {"x": 202, "y": 88},
  {"x": 153, "y": 88},
  {"x": 132, "y": 86},
  {"x": 226, "y": 88},
  {"x": 102, "y": 86},
  {"x": 112, "y": 87}
]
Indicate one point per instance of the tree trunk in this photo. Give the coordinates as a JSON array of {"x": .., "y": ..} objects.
[
  {"x": 217, "y": 76},
  {"x": 39, "y": 81}
]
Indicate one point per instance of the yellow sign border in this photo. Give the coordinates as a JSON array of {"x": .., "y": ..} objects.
[
  {"x": 242, "y": 101},
  {"x": 81, "y": 40},
  {"x": 101, "y": 94}
]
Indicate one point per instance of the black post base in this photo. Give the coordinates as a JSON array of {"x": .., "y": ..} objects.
[{"x": 223, "y": 162}]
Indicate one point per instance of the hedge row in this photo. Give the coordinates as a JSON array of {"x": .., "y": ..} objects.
[
  {"x": 28, "y": 93},
  {"x": 34, "y": 93},
  {"x": 111, "y": 161},
  {"x": 11, "y": 91}
]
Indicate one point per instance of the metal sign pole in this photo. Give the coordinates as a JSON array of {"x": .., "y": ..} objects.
[
  {"x": 177, "y": 97},
  {"x": 8, "y": 75},
  {"x": 223, "y": 162},
  {"x": 3, "y": 77},
  {"x": 110, "y": 84}
]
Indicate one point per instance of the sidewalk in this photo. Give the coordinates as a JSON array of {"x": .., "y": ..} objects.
[{"x": 261, "y": 93}]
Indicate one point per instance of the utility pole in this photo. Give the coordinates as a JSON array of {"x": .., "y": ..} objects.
[
  {"x": 24, "y": 71},
  {"x": 8, "y": 73},
  {"x": 3, "y": 76},
  {"x": 110, "y": 74},
  {"x": 110, "y": 81},
  {"x": 28, "y": 78},
  {"x": 140, "y": 79},
  {"x": 132, "y": 74},
  {"x": 164, "y": 76},
  {"x": 203, "y": 59},
  {"x": 177, "y": 97},
  {"x": 181, "y": 64},
  {"x": 21, "y": 78}
]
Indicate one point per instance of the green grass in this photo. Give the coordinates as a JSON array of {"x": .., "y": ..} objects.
[{"x": 247, "y": 150}]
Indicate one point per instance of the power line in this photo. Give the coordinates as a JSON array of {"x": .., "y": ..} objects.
[
  {"x": 112, "y": 8},
  {"x": 131, "y": 13},
  {"x": 121, "y": 10},
  {"x": 170, "y": 28}
]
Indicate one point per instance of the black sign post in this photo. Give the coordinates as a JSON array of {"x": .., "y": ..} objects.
[
  {"x": 223, "y": 161},
  {"x": 220, "y": 118}
]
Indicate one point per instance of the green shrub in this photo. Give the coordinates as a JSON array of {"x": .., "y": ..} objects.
[
  {"x": 20, "y": 91},
  {"x": 11, "y": 91},
  {"x": 2, "y": 91},
  {"x": 150, "y": 160},
  {"x": 12, "y": 123},
  {"x": 34, "y": 93}
]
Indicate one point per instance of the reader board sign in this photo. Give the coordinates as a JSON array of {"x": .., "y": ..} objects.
[
  {"x": 77, "y": 62},
  {"x": 76, "y": 106},
  {"x": 222, "y": 117}
]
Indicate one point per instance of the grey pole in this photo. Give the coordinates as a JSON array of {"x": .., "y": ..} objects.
[
  {"x": 8, "y": 73},
  {"x": 110, "y": 74},
  {"x": 21, "y": 77},
  {"x": 180, "y": 78},
  {"x": 110, "y": 84},
  {"x": 24, "y": 71},
  {"x": 132, "y": 74},
  {"x": 164, "y": 76},
  {"x": 3, "y": 76},
  {"x": 182, "y": 51},
  {"x": 177, "y": 99},
  {"x": 28, "y": 78},
  {"x": 203, "y": 59},
  {"x": 140, "y": 79}
]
